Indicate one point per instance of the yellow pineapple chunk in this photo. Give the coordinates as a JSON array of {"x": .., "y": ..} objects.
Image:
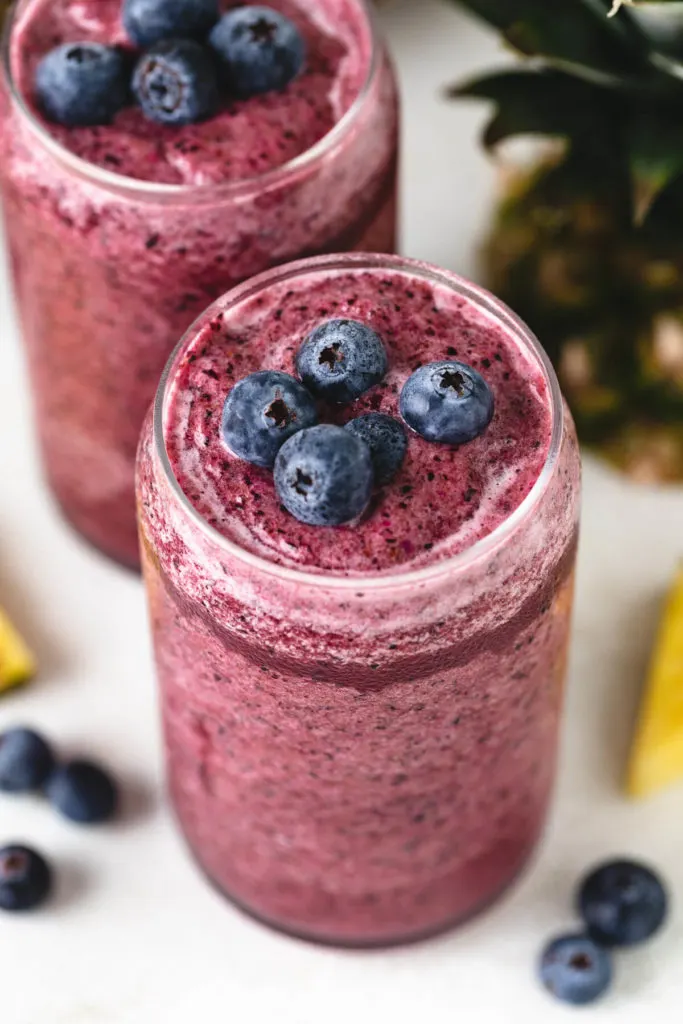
[
  {"x": 17, "y": 664},
  {"x": 657, "y": 754}
]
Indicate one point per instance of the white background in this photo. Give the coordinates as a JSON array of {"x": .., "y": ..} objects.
[{"x": 135, "y": 935}]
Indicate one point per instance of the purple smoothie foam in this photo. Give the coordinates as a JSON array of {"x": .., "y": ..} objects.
[
  {"x": 121, "y": 235},
  {"x": 444, "y": 499},
  {"x": 360, "y": 744},
  {"x": 245, "y": 138}
]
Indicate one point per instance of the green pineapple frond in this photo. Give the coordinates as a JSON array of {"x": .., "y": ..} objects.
[
  {"x": 655, "y": 151},
  {"x": 569, "y": 32},
  {"x": 539, "y": 101},
  {"x": 595, "y": 82},
  {"x": 618, "y": 4}
]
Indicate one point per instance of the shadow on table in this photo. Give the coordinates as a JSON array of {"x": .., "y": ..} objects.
[
  {"x": 139, "y": 802},
  {"x": 72, "y": 881}
]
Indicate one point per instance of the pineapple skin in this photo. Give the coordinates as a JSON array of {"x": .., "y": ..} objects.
[{"x": 605, "y": 299}]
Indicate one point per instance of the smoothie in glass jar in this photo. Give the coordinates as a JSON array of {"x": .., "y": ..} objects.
[
  {"x": 120, "y": 234},
  {"x": 361, "y": 721}
]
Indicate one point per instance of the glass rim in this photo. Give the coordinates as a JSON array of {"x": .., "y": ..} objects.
[
  {"x": 484, "y": 301},
  {"x": 159, "y": 191}
]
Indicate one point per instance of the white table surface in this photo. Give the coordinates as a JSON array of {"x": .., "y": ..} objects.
[{"x": 135, "y": 936}]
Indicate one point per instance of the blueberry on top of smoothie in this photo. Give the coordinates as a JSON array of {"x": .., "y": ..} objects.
[
  {"x": 323, "y": 476},
  {"x": 387, "y": 441},
  {"x": 81, "y": 84},
  {"x": 150, "y": 21},
  {"x": 262, "y": 411},
  {"x": 259, "y": 50},
  {"x": 341, "y": 359},
  {"x": 175, "y": 82},
  {"x": 447, "y": 402}
]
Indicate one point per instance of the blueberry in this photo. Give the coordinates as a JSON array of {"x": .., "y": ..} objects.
[
  {"x": 622, "y": 903},
  {"x": 25, "y": 761},
  {"x": 323, "y": 476},
  {"x": 81, "y": 84},
  {"x": 341, "y": 359},
  {"x": 575, "y": 969},
  {"x": 83, "y": 792},
  {"x": 149, "y": 21},
  {"x": 175, "y": 82},
  {"x": 262, "y": 411},
  {"x": 25, "y": 878},
  {"x": 259, "y": 50},
  {"x": 387, "y": 441},
  {"x": 447, "y": 402}
]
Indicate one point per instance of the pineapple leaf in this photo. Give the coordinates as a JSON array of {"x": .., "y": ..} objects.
[
  {"x": 655, "y": 156},
  {"x": 575, "y": 32},
  {"x": 539, "y": 102}
]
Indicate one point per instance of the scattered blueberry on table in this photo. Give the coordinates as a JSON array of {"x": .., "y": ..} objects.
[
  {"x": 25, "y": 878},
  {"x": 622, "y": 903},
  {"x": 26, "y": 760},
  {"x": 82, "y": 792},
  {"x": 575, "y": 969}
]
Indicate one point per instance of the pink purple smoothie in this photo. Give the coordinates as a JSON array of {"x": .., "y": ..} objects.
[
  {"x": 109, "y": 272},
  {"x": 444, "y": 499},
  {"x": 245, "y": 138},
  {"x": 364, "y": 759}
]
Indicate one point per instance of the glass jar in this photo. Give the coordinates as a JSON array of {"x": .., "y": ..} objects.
[
  {"x": 109, "y": 271},
  {"x": 361, "y": 760}
]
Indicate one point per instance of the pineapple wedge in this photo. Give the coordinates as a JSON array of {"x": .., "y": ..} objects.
[
  {"x": 657, "y": 754},
  {"x": 17, "y": 664}
]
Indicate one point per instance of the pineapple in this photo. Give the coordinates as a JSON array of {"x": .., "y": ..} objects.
[
  {"x": 17, "y": 664},
  {"x": 656, "y": 757},
  {"x": 587, "y": 244}
]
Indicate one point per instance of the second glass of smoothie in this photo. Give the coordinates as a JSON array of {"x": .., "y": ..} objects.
[
  {"x": 361, "y": 722},
  {"x": 121, "y": 235}
]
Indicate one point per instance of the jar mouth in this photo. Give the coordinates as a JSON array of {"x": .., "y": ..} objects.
[
  {"x": 158, "y": 192},
  {"x": 480, "y": 299}
]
